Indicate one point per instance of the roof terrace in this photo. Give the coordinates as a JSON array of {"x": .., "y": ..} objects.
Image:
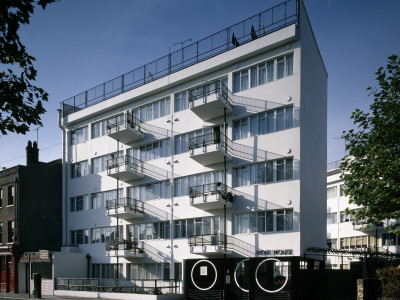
[{"x": 263, "y": 23}]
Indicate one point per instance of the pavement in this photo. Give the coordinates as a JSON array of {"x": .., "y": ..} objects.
[{"x": 23, "y": 296}]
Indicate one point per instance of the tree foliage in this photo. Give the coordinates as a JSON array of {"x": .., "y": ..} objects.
[
  {"x": 371, "y": 171},
  {"x": 20, "y": 100}
]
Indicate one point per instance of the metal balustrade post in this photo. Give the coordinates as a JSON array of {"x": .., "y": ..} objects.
[{"x": 104, "y": 91}]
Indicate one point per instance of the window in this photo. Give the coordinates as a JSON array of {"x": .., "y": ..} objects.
[
  {"x": 265, "y": 172},
  {"x": 11, "y": 231},
  {"x": 153, "y": 110},
  {"x": 341, "y": 190},
  {"x": 11, "y": 195},
  {"x": 389, "y": 239},
  {"x": 332, "y": 192},
  {"x": 263, "y": 123},
  {"x": 151, "y": 191},
  {"x": 79, "y": 237},
  {"x": 148, "y": 271},
  {"x": 149, "y": 231},
  {"x": 78, "y": 203},
  {"x": 357, "y": 242},
  {"x": 332, "y": 218},
  {"x": 79, "y": 169},
  {"x": 284, "y": 66},
  {"x": 197, "y": 137},
  {"x": 344, "y": 217},
  {"x": 284, "y": 220},
  {"x": 103, "y": 234},
  {"x": 99, "y": 164},
  {"x": 180, "y": 101},
  {"x": 332, "y": 243},
  {"x": 263, "y": 73},
  {"x": 263, "y": 222},
  {"x": 151, "y": 151},
  {"x": 79, "y": 135},
  {"x": 99, "y": 129},
  {"x": 107, "y": 271}
]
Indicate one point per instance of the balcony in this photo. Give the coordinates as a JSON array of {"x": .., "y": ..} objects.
[
  {"x": 125, "y": 129},
  {"x": 210, "y": 148},
  {"x": 209, "y": 244},
  {"x": 125, "y": 208},
  {"x": 211, "y": 196},
  {"x": 128, "y": 249},
  {"x": 366, "y": 225},
  {"x": 210, "y": 100},
  {"x": 125, "y": 168}
]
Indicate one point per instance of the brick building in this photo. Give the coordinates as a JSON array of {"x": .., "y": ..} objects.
[{"x": 30, "y": 215}]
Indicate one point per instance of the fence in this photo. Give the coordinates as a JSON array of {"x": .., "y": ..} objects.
[
  {"x": 266, "y": 22},
  {"x": 142, "y": 286}
]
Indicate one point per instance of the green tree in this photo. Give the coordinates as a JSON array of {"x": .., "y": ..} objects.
[
  {"x": 20, "y": 100},
  {"x": 371, "y": 171}
]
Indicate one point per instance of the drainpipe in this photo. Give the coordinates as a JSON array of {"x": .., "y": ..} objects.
[{"x": 64, "y": 179}]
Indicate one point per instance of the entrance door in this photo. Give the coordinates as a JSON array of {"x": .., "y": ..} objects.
[
  {"x": 10, "y": 275},
  {"x": 3, "y": 274}
]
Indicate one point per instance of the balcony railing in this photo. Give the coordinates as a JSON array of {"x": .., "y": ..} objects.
[
  {"x": 215, "y": 87},
  {"x": 212, "y": 196},
  {"x": 212, "y": 189},
  {"x": 210, "y": 148},
  {"x": 266, "y": 22},
  {"x": 225, "y": 242},
  {"x": 208, "y": 240},
  {"x": 125, "y": 208},
  {"x": 125, "y": 168},
  {"x": 131, "y": 247},
  {"x": 125, "y": 128},
  {"x": 211, "y": 100}
]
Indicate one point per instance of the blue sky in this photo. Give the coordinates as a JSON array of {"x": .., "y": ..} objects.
[{"x": 79, "y": 44}]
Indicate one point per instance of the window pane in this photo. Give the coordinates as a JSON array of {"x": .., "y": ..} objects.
[
  {"x": 261, "y": 74},
  {"x": 270, "y": 121},
  {"x": 280, "y": 220},
  {"x": 289, "y": 168},
  {"x": 289, "y": 117},
  {"x": 269, "y": 221},
  {"x": 244, "y": 80},
  {"x": 253, "y": 77},
  {"x": 289, "y": 64},
  {"x": 253, "y": 125},
  {"x": 262, "y": 124},
  {"x": 289, "y": 220},
  {"x": 280, "y": 114},
  {"x": 280, "y": 170},
  {"x": 270, "y": 71},
  {"x": 236, "y": 82},
  {"x": 281, "y": 67}
]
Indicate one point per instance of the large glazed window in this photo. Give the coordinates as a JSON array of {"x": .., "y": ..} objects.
[{"x": 263, "y": 73}]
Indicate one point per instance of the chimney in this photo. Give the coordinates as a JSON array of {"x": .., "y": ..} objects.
[{"x": 32, "y": 154}]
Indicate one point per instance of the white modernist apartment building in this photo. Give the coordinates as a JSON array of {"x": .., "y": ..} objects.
[
  {"x": 215, "y": 150},
  {"x": 346, "y": 233}
]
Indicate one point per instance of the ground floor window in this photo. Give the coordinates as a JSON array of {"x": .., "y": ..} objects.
[
  {"x": 107, "y": 271},
  {"x": 44, "y": 268},
  {"x": 148, "y": 271}
]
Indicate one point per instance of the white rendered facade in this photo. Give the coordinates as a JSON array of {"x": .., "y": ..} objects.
[
  {"x": 344, "y": 232},
  {"x": 274, "y": 154}
]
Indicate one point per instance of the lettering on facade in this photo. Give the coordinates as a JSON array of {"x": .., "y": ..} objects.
[{"x": 275, "y": 252}]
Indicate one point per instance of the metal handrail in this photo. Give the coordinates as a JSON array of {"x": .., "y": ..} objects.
[
  {"x": 212, "y": 189},
  {"x": 132, "y": 246},
  {"x": 136, "y": 286},
  {"x": 115, "y": 123},
  {"x": 215, "y": 239},
  {"x": 213, "y": 138},
  {"x": 266, "y": 22},
  {"x": 133, "y": 204},
  {"x": 208, "y": 89}
]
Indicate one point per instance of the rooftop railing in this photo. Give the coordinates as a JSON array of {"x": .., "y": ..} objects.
[{"x": 266, "y": 22}]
